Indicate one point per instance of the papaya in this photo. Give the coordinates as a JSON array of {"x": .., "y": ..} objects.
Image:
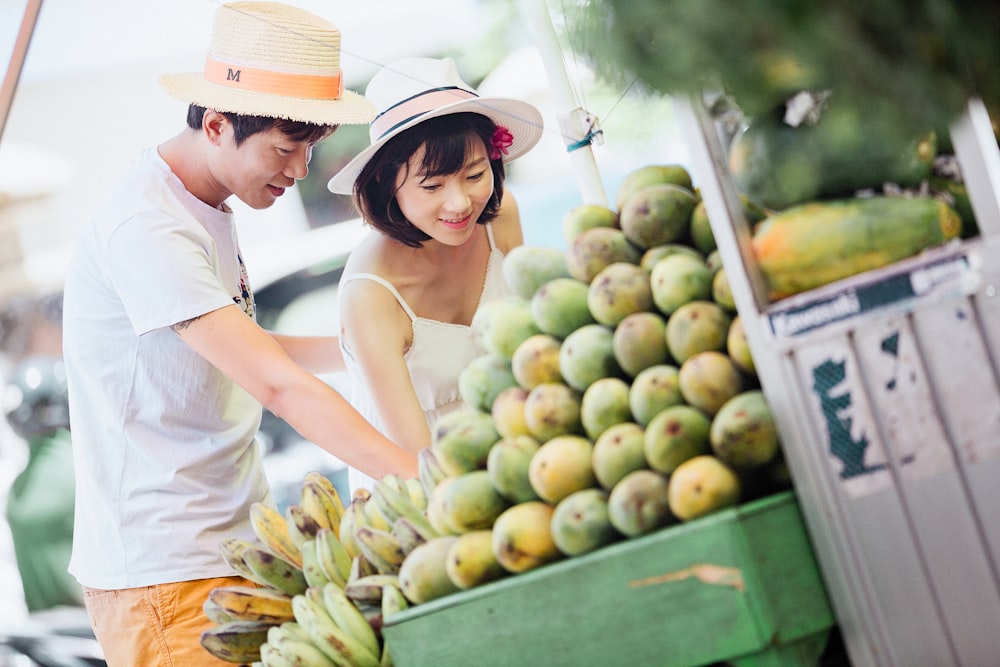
[
  {"x": 819, "y": 242},
  {"x": 848, "y": 149},
  {"x": 946, "y": 188}
]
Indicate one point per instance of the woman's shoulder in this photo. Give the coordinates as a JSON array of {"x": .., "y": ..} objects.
[
  {"x": 368, "y": 256},
  {"x": 506, "y": 226}
]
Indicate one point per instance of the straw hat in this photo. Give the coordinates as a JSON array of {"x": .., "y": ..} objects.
[
  {"x": 271, "y": 59},
  {"x": 412, "y": 90}
]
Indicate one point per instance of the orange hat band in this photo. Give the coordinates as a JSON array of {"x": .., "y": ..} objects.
[{"x": 241, "y": 77}]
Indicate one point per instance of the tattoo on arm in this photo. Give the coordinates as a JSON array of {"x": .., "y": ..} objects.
[{"x": 180, "y": 326}]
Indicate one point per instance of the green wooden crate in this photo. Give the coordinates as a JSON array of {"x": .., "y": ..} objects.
[{"x": 740, "y": 586}]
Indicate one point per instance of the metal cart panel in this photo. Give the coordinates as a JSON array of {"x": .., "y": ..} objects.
[{"x": 886, "y": 390}]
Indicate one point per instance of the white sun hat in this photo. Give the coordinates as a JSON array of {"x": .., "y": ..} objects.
[
  {"x": 271, "y": 59},
  {"x": 412, "y": 90}
]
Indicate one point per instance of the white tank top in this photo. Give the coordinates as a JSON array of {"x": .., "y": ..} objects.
[{"x": 437, "y": 355}]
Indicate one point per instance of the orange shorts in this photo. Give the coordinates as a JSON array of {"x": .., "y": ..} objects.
[{"x": 155, "y": 626}]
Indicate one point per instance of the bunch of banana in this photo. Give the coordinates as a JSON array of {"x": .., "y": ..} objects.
[
  {"x": 271, "y": 528},
  {"x": 260, "y": 565},
  {"x": 369, "y": 590},
  {"x": 354, "y": 517},
  {"x": 327, "y": 620},
  {"x": 325, "y": 559},
  {"x": 373, "y": 513},
  {"x": 289, "y": 645},
  {"x": 326, "y": 576},
  {"x": 301, "y": 526},
  {"x": 293, "y": 551},
  {"x": 429, "y": 470},
  {"x": 403, "y": 499},
  {"x": 236, "y": 641},
  {"x": 321, "y": 501},
  {"x": 408, "y": 535},
  {"x": 248, "y": 603},
  {"x": 380, "y": 548}
]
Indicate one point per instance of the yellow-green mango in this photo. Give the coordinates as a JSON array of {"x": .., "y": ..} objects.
[
  {"x": 581, "y": 523},
  {"x": 522, "y": 537},
  {"x": 423, "y": 575}
]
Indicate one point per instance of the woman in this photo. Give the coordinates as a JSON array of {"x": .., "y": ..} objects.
[{"x": 432, "y": 186}]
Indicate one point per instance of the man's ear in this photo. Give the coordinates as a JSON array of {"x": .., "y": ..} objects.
[{"x": 214, "y": 125}]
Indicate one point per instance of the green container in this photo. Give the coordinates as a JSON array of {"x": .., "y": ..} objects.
[{"x": 739, "y": 586}]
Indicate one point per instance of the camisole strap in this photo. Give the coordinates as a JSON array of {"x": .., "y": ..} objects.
[
  {"x": 489, "y": 235},
  {"x": 389, "y": 286}
]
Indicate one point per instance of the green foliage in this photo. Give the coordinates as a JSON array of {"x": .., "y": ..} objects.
[{"x": 930, "y": 55}]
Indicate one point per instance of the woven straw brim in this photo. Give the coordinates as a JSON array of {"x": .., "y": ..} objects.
[
  {"x": 277, "y": 38},
  {"x": 522, "y": 119},
  {"x": 350, "y": 109}
]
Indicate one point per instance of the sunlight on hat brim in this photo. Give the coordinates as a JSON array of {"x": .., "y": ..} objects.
[
  {"x": 522, "y": 119},
  {"x": 350, "y": 109}
]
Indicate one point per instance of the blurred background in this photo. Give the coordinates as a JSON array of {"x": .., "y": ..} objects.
[{"x": 88, "y": 101}]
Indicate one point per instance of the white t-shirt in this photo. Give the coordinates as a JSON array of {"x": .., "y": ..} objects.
[{"x": 164, "y": 450}]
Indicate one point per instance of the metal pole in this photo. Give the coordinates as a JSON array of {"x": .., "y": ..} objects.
[
  {"x": 575, "y": 124},
  {"x": 17, "y": 60}
]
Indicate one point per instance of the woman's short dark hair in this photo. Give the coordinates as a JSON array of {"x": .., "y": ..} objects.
[
  {"x": 448, "y": 141},
  {"x": 246, "y": 126}
]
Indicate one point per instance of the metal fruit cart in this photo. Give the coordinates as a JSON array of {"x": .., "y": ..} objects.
[{"x": 886, "y": 390}]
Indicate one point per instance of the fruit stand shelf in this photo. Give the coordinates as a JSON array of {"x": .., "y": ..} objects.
[{"x": 740, "y": 586}]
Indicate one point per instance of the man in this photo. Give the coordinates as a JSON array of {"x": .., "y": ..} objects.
[
  {"x": 40, "y": 500},
  {"x": 167, "y": 367}
]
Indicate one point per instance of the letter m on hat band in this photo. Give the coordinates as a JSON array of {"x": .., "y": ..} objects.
[
  {"x": 413, "y": 107},
  {"x": 242, "y": 77}
]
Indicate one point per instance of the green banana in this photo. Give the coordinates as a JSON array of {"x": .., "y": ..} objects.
[
  {"x": 333, "y": 641},
  {"x": 215, "y": 613},
  {"x": 369, "y": 588},
  {"x": 232, "y": 549},
  {"x": 301, "y": 526},
  {"x": 380, "y": 493},
  {"x": 416, "y": 492},
  {"x": 294, "y": 648},
  {"x": 333, "y": 557},
  {"x": 311, "y": 567},
  {"x": 321, "y": 501},
  {"x": 247, "y": 603},
  {"x": 381, "y": 548},
  {"x": 271, "y": 529},
  {"x": 395, "y": 502},
  {"x": 376, "y": 519},
  {"x": 429, "y": 470},
  {"x": 328, "y": 488},
  {"x": 407, "y": 535},
  {"x": 274, "y": 571},
  {"x": 346, "y": 615},
  {"x": 393, "y": 601},
  {"x": 289, "y": 629},
  {"x": 354, "y": 517},
  {"x": 271, "y": 657},
  {"x": 236, "y": 641},
  {"x": 360, "y": 567}
]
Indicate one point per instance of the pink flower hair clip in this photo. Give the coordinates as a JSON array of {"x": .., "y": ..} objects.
[{"x": 501, "y": 141}]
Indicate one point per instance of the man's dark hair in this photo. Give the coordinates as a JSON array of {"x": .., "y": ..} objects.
[
  {"x": 245, "y": 126},
  {"x": 448, "y": 141}
]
